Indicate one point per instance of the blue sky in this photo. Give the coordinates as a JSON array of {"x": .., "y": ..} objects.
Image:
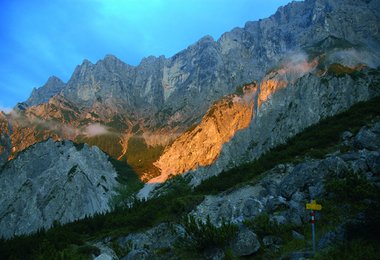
[{"x": 41, "y": 38}]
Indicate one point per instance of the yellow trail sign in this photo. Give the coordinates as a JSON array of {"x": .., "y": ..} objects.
[{"x": 313, "y": 205}]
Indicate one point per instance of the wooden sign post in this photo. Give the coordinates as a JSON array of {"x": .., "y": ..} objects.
[{"x": 313, "y": 206}]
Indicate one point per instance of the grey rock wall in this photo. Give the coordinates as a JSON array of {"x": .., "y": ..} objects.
[{"x": 53, "y": 181}]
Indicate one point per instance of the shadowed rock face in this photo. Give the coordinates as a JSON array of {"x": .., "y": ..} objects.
[{"x": 53, "y": 181}]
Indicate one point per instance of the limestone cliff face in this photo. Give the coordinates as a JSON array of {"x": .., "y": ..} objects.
[
  {"x": 288, "y": 111},
  {"x": 202, "y": 145},
  {"x": 53, "y": 181}
]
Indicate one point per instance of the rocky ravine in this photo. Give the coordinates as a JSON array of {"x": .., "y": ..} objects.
[
  {"x": 281, "y": 193},
  {"x": 53, "y": 181}
]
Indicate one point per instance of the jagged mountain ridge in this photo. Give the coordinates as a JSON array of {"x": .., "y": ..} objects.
[
  {"x": 52, "y": 87},
  {"x": 161, "y": 98}
]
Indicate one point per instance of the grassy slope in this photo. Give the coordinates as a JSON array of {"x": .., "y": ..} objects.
[{"x": 71, "y": 240}]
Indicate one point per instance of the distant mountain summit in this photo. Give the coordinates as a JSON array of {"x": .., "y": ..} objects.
[{"x": 41, "y": 95}]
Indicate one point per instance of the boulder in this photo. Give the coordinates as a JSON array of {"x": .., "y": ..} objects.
[
  {"x": 302, "y": 175},
  {"x": 368, "y": 138},
  {"x": 331, "y": 166},
  {"x": 251, "y": 208},
  {"x": 246, "y": 243},
  {"x": 103, "y": 256},
  {"x": 276, "y": 203},
  {"x": 162, "y": 236},
  {"x": 279, "y": 219},
  {"x": 298, "y": 197},
  {"x": 316, "y": 190},
  {"x": 295, "y": 216}
]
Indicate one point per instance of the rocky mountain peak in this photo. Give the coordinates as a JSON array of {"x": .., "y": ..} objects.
[
  {"x": 41, "y": 95},
  {"x": 53, "y": 80},
  {"x": 111, "y": 62}
]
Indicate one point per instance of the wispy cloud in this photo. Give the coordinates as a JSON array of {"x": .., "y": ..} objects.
[
  {"x": 63, "y": 130},
  {"x": 96, "y": 129},
  {"x": 352, "y": 58},
  {"x": 294, "y": 66}
]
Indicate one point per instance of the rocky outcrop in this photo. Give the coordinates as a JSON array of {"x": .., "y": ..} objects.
[
  {"x": 148, "y": 244},
  {"x": 284, "y": 190},
  {"x": 246, "y": 243},
  {"x": 53, "y": 181}
]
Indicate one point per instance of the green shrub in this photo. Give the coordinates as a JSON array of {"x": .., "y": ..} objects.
[
  {"x": 141, "y": 156},
  {"x": 263, "y": 226},
  {"x": 353, "y": 187},
  {"x": 355, "y": 249},
  {"x": 202, "y": 236},
  {"x": 337, "y": 69}
]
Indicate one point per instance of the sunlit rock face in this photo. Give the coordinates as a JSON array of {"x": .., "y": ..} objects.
[
  {"x": 202, "y": 145},
  {"x": 53, "y": 181}
]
